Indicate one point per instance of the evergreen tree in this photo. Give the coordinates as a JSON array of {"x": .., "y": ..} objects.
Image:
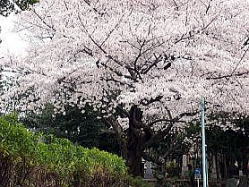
[
  {"x": 8, "y": 6},
  {"x": 83, "y": 129}
]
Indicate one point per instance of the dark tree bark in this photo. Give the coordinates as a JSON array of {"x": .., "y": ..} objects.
[
  {"x": 135, "y": 142},
  {"x": 134, "y": 156},
  {"x": 138, "y": 137}
]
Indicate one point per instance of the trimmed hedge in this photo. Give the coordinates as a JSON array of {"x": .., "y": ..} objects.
[{"x": 34, "y": 160}]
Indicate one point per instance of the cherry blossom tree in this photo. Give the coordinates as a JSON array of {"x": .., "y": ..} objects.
[
  {"x": 143, "y": 64},
  {"x": 10, "y": 43}
]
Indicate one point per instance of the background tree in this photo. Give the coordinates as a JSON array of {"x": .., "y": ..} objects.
[
  {"x": 147, "y": 62},
  {"x": 229, "y": 145},
  {"x": 82, "y": 129},
  {"x": 8, "y": 6}
]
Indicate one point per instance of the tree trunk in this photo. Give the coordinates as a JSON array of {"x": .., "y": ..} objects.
[
  {"x": 134, "y": 159},
  {"x": 217, "y": 162},
  {"x": 138, "y": 137},
  {"x": 135, "y": 142},
  {"x": 134, "y": 151},
  {"x": 245, "y": 166}
]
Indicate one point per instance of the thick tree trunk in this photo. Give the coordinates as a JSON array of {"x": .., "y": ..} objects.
[
  {"x": 134, "y": 159},
  {"x": 134, "y": 151},
  {"x": 138, "y": 137},
  {"x": 132, "y": 147},
  {"x": 135, "y": 142}
]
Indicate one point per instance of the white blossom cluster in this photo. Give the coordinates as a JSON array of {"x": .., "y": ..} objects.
[{"x": 110, "y": 53}]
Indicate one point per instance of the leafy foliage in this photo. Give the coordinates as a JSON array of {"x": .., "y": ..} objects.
[
  {"x": 25, "y": 151},
  {"x": 138, "y": 182},
  {"x": 7, "y": 6},
  {"x": 171, "y": 169},
  {"x": 232, "y": 144},
  {"x": 85, "y": 129}
]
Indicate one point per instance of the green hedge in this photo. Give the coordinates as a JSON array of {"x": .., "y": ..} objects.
[{"x": 32, "y": 159}]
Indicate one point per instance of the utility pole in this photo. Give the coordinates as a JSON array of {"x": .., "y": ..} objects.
[{"x": 203, "y": 138}]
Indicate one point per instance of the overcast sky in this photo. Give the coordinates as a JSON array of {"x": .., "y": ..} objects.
[{"x": 11, "y": 41}]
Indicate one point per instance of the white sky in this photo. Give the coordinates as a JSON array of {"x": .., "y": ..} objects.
[{"x": 11, "y": 40}]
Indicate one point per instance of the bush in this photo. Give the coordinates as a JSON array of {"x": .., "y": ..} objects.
[
  {"x": 171, "y": 169},
  {"x": 34, "y": 160},
  {"x": 138, "y": 182}
]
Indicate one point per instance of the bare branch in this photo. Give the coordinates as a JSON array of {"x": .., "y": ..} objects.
[
  {"x": 228, "y": 76},
  {"x": 161, "y": 133},
  {"x": 147, "y": 102},
  {"x": 207, "y": 25},
  {"x": 94, "y": 9},
  {"x": 114, "y": 28},
  {"x": 43, "y": 21},
  {"x": 237, "y": 65},
  {"x": 165, "y": 120},
  {"x": 186, "y": 114},
  {"x": 154, "y": 63},
  {"x": 176, "y": 5},
  {"x": 246, "y": 42},
  {"x": 98, "y": 45}
]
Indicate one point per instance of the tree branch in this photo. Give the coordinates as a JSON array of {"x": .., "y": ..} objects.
[
  {"x": 43, "y": 21},
  {"x": 110, "y": 33},
  {"x": 147, "y": 102},
  {"x": 95, "y": 9},
  {"x": 165, "y": 120},
  {"x": 154, "y": 63},
  {"x": 228, "y": 76},
  {"x": 160, "y": 134},
  {"x": 98, "y": 45},
  {"x": 120, "y": 134}
]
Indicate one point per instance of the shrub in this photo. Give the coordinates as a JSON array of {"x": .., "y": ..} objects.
[
  {"x": 171, "y": 169},
  {"x": 138, "y": 182},
  {"x": 31, "y": 159}
]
